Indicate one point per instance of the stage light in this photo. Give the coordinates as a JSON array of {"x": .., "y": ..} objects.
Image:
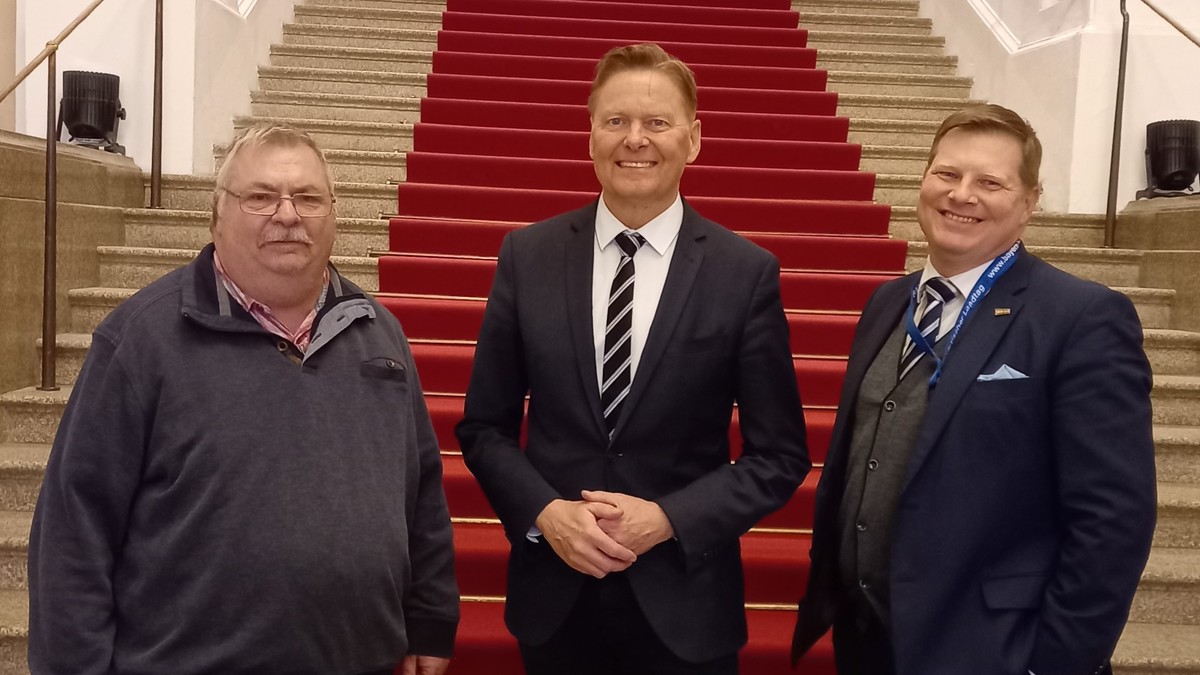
[
  {"x": 1172, "y": 158},
  {"x": 91, "y": 109}
]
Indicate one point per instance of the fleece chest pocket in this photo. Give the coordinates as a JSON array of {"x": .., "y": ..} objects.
[{"x": 384, "y": 368}]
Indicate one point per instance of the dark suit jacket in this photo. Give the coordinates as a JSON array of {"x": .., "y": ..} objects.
[
  {"x": 1029, "y": 504},
  {"x": 719, "y": 336}
]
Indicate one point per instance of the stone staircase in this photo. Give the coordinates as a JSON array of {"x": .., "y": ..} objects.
[{"x": 352, "y": 73}]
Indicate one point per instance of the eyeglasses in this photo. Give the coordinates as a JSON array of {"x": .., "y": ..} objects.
[{"x": 263, "y": 203}]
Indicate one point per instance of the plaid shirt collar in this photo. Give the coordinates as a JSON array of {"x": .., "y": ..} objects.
[{"x": 263, "y": 314}]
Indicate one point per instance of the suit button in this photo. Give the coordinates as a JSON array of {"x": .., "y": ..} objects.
[
  {"x": 873, "y": 464},
  {"x": 862, "y": 583},
  {"x": 889, "y": 405},
  {"x": 861, "y": 526}
]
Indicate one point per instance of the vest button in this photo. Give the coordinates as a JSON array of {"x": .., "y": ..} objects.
[
  {"x": 283, "y": 345},
  {"x": 862, "y": 583},
  {"x": 873, "y": 464},
  {"x": 889, "y": 405},
  {"x": 861, "y": 526}
]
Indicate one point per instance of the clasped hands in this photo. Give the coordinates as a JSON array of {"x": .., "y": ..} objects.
[{"x": 604, "y": 532}]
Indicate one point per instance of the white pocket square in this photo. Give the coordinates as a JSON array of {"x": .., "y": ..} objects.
[{"x": 1002, "y": 373}]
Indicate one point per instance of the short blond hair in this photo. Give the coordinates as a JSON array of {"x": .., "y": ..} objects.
[
  {"x": 645, "y": 56},
  {"x": 989, "y": 117},
  {"x": 262, "y": 135}
]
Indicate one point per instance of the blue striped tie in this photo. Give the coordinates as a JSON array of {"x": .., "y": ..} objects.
[{"x": 938, "y": 292}]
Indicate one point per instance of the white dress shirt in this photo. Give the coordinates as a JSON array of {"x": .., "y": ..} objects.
[
  {"x": 963, "y": 283},
  {"x": 651, "y": 263}
]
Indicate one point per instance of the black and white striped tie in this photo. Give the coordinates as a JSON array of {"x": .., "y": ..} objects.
[
  {"x": 938, "y": 292},
  {"x": 618, "y": 352}
]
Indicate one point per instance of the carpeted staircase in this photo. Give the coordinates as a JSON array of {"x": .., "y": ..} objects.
[{"x": 463, "y": 134}]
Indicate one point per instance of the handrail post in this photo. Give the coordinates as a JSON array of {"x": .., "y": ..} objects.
[
  {"x": 1110, "y": 214},
  {"x": 50, "y": 264},
  {"x": 156, "y": 139}
]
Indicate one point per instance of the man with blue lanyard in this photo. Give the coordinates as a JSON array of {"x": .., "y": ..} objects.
[{"x": 988, "y": 499}]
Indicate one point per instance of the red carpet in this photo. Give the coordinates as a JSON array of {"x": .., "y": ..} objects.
[
  {"x": 503, "y": 142},
  {"x": 568, "y": 144},
  {"x": 491, "y": 42}
]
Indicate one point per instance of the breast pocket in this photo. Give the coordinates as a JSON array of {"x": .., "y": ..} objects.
[
  {"x": 384, "y": 368},
  {"x": 996, "y": 395},
  {"x": 694, "y": 345}
]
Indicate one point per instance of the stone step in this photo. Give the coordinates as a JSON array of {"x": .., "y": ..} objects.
[
  {"x": 70, "y": 349},
  {"x": 1158, "y": 649},
  {"x": 1178, "y": 516},
  {"x": 880, "y": 43},
  {"x": 14, "y": 632},
  {"x": 930, "y": 109},
  {"x": 352, "y": 58},
  {"x": 177, "y": 228},
  {"x": 89, "y": 306},
  {"x": 31, "y": 416},
  {"x": 336, "y": 107},
  {"x": 1046, "y": 229},
  {"x": 879, "y": 62},
  {"x": 1173, "y": 352},
  {"x": 897, "y": 189},
  {"x": 1108, "y": 266},
  {"x": 1169, "y": 592},
  {"x": 899, "y": 84},
  {"x": 894, "y": 159},
  {"x": 1153, "y": 305},
  {"x": 357, "y": 36},
  {"x": 331, "y": 134},
  {"x": 345, "y": 82},
  {"x": 14, "y": 549},
  {"x": 815, "y": 19},
  {"x": 354, "y": 166},
  {"x": 22, "y": 466},
  {"x": 1177, "y": 453},
  {"x": 1177, "y": 401},
  {"x": 892, "y": 132},
  {"x": 354, "y": 200},
  {"x": 135, "y": 267},
  {"x": 907, "y": 8},
  {"x": 391, "y": 18}
]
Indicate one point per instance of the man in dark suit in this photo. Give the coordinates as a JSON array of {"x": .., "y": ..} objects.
[
  {"x": 988, "y": 499},
  {"x": 634, "y": 325}
]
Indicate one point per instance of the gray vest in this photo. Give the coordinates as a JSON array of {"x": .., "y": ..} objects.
[{"x": 887, "y": 419}]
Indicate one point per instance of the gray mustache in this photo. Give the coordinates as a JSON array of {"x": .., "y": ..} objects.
[{"x": 284, "y": 234}]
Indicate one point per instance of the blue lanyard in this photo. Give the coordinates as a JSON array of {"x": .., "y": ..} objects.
[{"x": 999, "y": 266}]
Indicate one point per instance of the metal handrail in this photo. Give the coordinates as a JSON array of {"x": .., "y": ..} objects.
[
  {"x": 51, "y": 47},
  {"x": 49, "y": 55},
  {"x": 1110, "y": 214},
  {"x": 1174, "y": 24}
]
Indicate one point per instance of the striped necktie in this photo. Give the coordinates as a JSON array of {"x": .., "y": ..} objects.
[
  {"x": 618, "y": 352},
  {"x": 938, "y": 292}
]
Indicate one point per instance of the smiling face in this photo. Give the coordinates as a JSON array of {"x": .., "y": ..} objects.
[
  {"x": 257, "y": 250},
  {"x": 973, "y": 205},
  {"x": 642, "y": 137}
]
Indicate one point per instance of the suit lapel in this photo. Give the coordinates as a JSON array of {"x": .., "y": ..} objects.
[
  {"x": 970, "y": 351},
  {"x": 579, "y": 259},
  {"x": 685, "y": 263}
]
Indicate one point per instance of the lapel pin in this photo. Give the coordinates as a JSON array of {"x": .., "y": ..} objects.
[{"x": 1003, "y": 311}]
